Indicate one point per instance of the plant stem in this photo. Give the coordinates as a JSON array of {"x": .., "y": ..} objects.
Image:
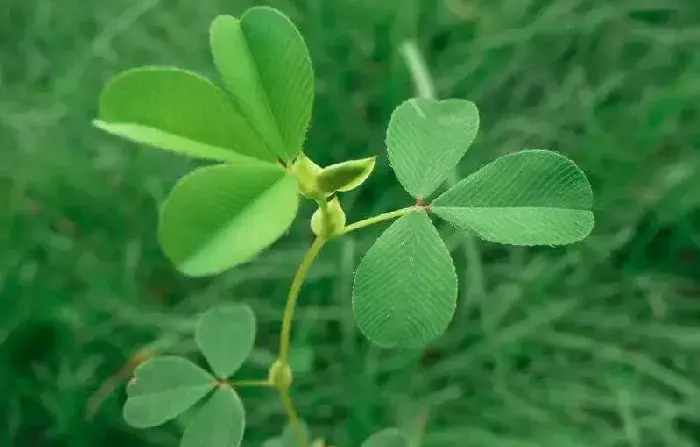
[
  {"x": 422, "y": 80},
  {"x": 293, "y": 416},
  {"x": 294, "y": 290},
  {"x": 376, "y": 219},
  {"x": 264, "y": 383}
]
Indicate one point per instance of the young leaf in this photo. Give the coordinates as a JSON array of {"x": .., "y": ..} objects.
[
  {"x": 388, "y": 437},
  {"x": 162, "y": 389},
  {"x": 405, "y": 289},
  {"x": 532, "y": 197},
  {"x": 178, "y": 111},
  {"x": 345, "y": 176},
  {"x": 226, "y": 335},
  {"x": 427, "y": 138},
  {"x": 220, "y": 216},
  {"x": 220, "y": 422},
  {"x": 265, "y": 64}
]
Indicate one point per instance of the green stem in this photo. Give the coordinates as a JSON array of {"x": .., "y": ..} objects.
[
  {"x": 422, "y": 80},
  {"x": 294, "y": 290},
  {"x": 376, "y": 219},
  {"x": 293, "y": 416},
  {"x": 264, "y": 383}
]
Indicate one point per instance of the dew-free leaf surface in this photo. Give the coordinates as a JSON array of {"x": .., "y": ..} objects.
[
  {"x": 220, "y": 422},
  {"x": 162, "y": 389},
  {"x": 220, "y": 216},
  {"x": 426, "y": 139},
  {"x": 226, "y": 335},
  {"x": 530, "y": 197},
  {"x": 179, "y": 111},
  {"x": 345, "y": 176},
  {"x": 405, "y": 287},
  {"x": 266, "y": 66}
]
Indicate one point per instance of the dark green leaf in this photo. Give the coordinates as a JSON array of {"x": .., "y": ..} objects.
[
  {"x": 162, "y": 389},
  {"x": 220, "y": 216},
  {"x": 427, "y": 138},
  {"x": 226, "y": 335},
  {"x": 533, "y": 197},
  {"x": 178, "y": 111},
  {"x": 220, "y": 422},
  {"x": 405, "y": 288}
]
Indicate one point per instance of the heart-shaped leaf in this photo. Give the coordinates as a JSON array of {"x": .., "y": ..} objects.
[
  {"x": 427, "y": 138},
  {"x": 405, "y": 289},
  {"x": 388, "y": 437},
  {"x": 220, "y": 216},
  {"x": 178, "y": 111},
  {"x": 226, "y": 335},
  {"x": 163, "y": 388},
  {"x": 532, "y": 197},
  {"x": 220, "y": 422},
  {"x": 266, "y": 66},
  {"x": 345, "y": 176}
]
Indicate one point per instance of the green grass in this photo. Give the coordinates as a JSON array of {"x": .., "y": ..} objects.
[{"x": 591, "y": 345}]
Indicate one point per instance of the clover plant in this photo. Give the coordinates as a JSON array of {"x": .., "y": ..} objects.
[{"x": 252, "y": 128}]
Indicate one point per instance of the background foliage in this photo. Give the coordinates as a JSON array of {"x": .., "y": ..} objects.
[{"x": 590, "y": 345}]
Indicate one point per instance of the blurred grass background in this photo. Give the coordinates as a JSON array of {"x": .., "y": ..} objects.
[{"x": 590, "y": 345}]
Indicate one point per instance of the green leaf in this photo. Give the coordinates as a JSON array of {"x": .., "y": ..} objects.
[
  {"x": 220, "y": 216},
  {"x": 405, "y": 289},
  {"x": 220, "y": 422},
  {"x": 178, "y": 111},
  {"x": 289, "y": 439},
  {"x": 427, "y": 138},
  {"x": 265, "y": 64},
  {"x": 388, "y": 437},
  {"x": 532, "y": 197},
  {"x": 226, "y": 335},
  {"x": 345, "y": 176},
  {"x": 162, "y": 389},
  {"x": 272, "y": 442}
]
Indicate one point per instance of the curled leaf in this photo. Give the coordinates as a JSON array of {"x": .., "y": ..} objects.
[{"x": 345, "y": 176}]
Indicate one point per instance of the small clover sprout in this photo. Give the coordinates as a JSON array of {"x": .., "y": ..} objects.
[{"x": 252, "y": 130}]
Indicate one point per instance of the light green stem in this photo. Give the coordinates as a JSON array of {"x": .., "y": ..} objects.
[
  {"x": 377, "y": 219},
  {"x": 290, "y": 307},
  {"x": 293, "y": 417},
  {"x": 294, "y": 290}
]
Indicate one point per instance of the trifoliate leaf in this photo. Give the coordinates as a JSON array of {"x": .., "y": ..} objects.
[
  {"x": 178, "y": 111},
  {"x": 388, "y": 437},
  {"x": 220, "y": 216},
  {"x": 226, "y": 335},
  {"x": 345, "y": 176},
  {"x": 427, "y": 138},
  {"x": 405, "y": 289},
  {"x": 220, "y": 422},
  {"x": 266, "y": 66},
  {"x": 163, "y": 388},
  {"x": 533, "y": 197}
]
